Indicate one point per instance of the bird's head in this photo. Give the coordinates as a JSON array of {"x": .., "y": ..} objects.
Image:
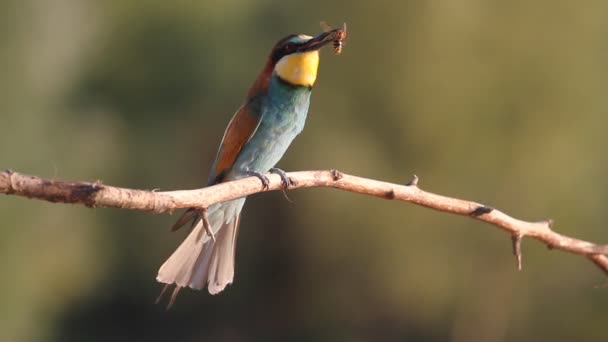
[{"x": 296, "y": 57}]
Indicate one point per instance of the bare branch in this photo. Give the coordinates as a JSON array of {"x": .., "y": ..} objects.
[{"x": 100, "y": 195}]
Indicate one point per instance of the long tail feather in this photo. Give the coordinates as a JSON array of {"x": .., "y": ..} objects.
[{"x": 201, "y": 261}]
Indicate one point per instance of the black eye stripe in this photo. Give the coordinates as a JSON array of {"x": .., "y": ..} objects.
[{"x": 283, "y": 47}]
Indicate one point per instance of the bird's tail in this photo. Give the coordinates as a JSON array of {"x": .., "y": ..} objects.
[{"x": 200, "y": 260}]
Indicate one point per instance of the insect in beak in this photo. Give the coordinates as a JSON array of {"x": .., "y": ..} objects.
[{"x": 340, "y": 36}]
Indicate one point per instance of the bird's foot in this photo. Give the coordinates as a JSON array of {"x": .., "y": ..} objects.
[
  {"x": 285, "y": 180},
  {"x": 205, "y": 217},
  {"x": 261, "y": 177}
]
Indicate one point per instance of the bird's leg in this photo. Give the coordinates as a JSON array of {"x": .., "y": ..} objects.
[
  {"x": 285, "y": 180},
  {"x": 262, "y": 178},
  {"x": 205, "y": 218}
]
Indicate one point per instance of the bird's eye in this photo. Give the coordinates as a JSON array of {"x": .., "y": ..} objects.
[{"x": 289, "y": 47}]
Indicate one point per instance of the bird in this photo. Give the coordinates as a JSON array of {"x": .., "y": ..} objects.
[{"x": 272, "y": 114}]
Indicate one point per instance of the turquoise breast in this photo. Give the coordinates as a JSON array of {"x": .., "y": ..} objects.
[{"x": 283, "y": 114}]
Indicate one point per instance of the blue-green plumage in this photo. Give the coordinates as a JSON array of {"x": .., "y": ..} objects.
[{"x": 283, "y": 114}]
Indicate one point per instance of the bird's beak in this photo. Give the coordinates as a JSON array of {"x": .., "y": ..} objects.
[{"x": 319, "y": 41}]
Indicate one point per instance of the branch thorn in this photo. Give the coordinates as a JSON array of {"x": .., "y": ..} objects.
[
  {"x": 413, "y": 181},
  {"x": 516, "y": 240}
]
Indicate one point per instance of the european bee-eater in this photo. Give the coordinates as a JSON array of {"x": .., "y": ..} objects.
[{"x": 272, "y": 115}]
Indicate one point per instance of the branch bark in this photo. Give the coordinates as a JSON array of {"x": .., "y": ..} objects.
[{"x": 97, "y": 194}]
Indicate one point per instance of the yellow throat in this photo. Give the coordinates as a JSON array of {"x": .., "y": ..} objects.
[{"x": 299, "y": 69}]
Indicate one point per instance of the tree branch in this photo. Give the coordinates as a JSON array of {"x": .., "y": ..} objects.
[{"x": 100, "y": 195}]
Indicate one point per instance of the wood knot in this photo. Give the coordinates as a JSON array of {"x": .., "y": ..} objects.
[
  {"x": 390, "y": 194},
  {"x": 336, "y": 175},
  {"x": 481, "y": 210},
  {"x": 84, "y": 193}
]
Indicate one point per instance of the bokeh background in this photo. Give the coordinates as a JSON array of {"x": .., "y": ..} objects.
[{"x": 499, "y": 102}]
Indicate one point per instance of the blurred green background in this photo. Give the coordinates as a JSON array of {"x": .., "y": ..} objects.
[{"x": 499, "y": 102}]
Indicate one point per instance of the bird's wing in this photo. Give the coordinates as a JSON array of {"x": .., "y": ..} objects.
[{"x": 241, "y": 128}]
